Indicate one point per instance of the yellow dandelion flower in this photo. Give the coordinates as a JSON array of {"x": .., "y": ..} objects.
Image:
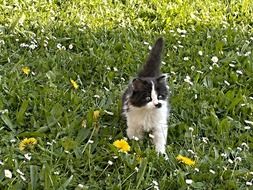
[
  {"x": 122, "y": 145},
  {"x": 185, "y": 160},
  {"x": 74, "y": 84},
  {"x": 96, "y": 115},
  {"x": 27, "y": 143},
  {"x": 26, "y": 70}
]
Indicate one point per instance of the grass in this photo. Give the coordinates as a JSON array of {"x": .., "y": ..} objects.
[{"x": 100, "y": 45}]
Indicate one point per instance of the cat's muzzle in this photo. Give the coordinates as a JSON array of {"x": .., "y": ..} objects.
[{"x": 158, "y": 105}]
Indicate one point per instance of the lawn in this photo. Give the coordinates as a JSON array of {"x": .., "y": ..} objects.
[{"x": 65, "y": 64}]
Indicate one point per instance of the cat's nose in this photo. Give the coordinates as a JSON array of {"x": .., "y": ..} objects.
[{"x": 158, "y": 105}]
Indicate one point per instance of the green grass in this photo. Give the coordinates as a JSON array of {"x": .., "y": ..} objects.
[{"x": 209, "y": 117}]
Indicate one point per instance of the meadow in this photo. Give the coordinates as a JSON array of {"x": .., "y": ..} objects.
[{"x": 65, "y": 64}]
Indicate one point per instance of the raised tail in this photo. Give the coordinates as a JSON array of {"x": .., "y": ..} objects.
[{"x": 152, "y": 66}]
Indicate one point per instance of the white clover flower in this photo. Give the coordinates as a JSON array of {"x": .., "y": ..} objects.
[
  {"x": 215, "y": 59},
  {"x": 238, "y": 159},
  {"x": 8, "y": 174},
  {"x": 247, "y": 53},
  {"x": 188, "y": 181},
  {"x": 181, "y": 31},
  {"x": 13, "y": 140},
  {"x": 249, "y": 122},
  {"x": 175, "y": 47},
  {"x": 23, "y": 178},
  {"x": 178, "y": 30},
  {"x": 59, "y": 46},
  {"x": 226, "y": 82},
  {"x": 110, "y": 162},
  {"x": 238, "y": 53},
  {"x": 155, "y": 182},
  {"x": 205, "y": 140},
  {"x": 245, "y": 145},
  {"x": 239, "y": 72},
  {"x": 28, "y": 156},
  {"x": 19, "y": 172},
  {"x": 80, "y": 186},
  {"x": 200, "y": 52},
  {"x": 191, "y": 151},
  {"x": 201, "y": 72},
  {"x": 24, "y": 45},
  {"x": 249, "y": 183},
  {"x": 106, "y": 89},
  {"x": 186, "y": 58},
  {"x": 96, "y": 96},
  {"x": 216, "y": 65},
  {"x": 247, "y": 127},
  {"x": 32, "y": 46},
  {"x": 188, "y": 80},
  {"x": 71, "y": 46}
]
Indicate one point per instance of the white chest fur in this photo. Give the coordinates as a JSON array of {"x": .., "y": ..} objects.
[{"x": 148, "y": 118}]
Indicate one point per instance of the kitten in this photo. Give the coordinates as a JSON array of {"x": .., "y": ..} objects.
[{"x": 145, "y": 101}]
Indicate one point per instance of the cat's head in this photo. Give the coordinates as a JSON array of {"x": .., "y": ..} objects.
[{"x": 149, "y": 92}]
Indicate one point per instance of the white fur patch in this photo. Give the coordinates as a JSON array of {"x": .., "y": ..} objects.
[
  {"x": 154, "y": 95},
  {"x": 149, "y": 118}
]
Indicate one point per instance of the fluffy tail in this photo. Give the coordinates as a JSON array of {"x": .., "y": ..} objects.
[{"x": 152, "y": 66}]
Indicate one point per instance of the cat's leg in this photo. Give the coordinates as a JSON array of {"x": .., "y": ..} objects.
[
  {"x": 134, "y": 131},
  {"x": 160, "y": 138}
]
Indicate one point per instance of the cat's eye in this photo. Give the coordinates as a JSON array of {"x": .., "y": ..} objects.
[
  {"x": 160, "y": 97},
  {"x": 148, "y": 98}
]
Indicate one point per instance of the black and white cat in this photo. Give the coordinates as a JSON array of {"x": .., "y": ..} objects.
[{"x": 145, "y": 103}]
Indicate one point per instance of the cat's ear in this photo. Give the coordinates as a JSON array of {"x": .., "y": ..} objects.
[
  {"x": 138, "y": 84},
  {"x": 162, "y": 79}
]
